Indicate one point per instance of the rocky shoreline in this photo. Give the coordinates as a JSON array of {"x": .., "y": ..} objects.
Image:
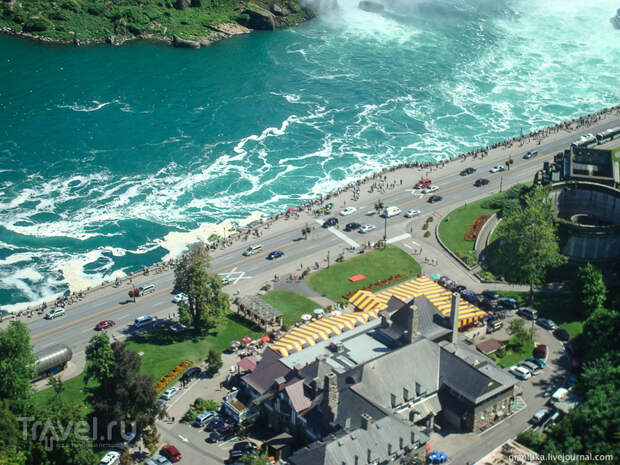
[{"x": 254, "y": 18}]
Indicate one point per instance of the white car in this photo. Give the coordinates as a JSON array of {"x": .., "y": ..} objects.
[
  {"x": 180, "y": 297},
  {"x": 367, "y": 228},
  {"x": 389, "y": 212},
  {"x": 170, "y": 393},
  {"x": 412, "y": 212},
  {"x": 497, "y": 168},
  {"x": 430, "y": 189},
  {"x": 348, "y": 211},
  {"x": 520, "y": 372},
  {"x": 111, "y": 458}
]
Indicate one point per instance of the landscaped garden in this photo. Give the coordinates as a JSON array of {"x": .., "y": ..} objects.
[
  {"x": 290, "y": 304},
  {"x": 376, "y": 266}
]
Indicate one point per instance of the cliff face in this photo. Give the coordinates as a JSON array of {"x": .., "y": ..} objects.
[{"x": 183, "y": 23}]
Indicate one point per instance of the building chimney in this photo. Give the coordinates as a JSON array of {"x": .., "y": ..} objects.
[
  {"x": 386, "y": 322},
  {"x": 454, "y": 317},
  {"x": 366, "y": 421},
  {"x": 413, "y": 324},
  {"x": 331, "y": 385},
  {"x": 280, "y": 382}
]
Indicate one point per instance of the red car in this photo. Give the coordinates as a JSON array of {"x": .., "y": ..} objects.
[
  {"x": 171, "y": 453},
  {"x": 105, "y": 324},
  {"x": 423, "y": 183}
]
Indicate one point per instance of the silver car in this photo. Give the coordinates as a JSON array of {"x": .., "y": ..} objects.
[{"x": 367, "y": 228}]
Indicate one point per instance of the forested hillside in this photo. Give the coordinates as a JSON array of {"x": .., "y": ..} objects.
[{"x": 119, "y": 20}]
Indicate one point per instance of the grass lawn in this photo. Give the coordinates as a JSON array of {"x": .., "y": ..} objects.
[
  {"x": 291, "y": 304},
  {"x": 511, "y": 357},
  {"x": 376, "y": 265},
  {"x": 163, "y": 349},
  {"x": 453, "y": 227},
  {"x": 73, "y": 393},
  {"x": 559, "y": 307}
]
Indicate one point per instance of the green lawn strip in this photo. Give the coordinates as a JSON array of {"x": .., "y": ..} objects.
[
  {"x": 560, "y": 307},
  {"x": 291, "y": 304},
  {"x": 511, "y": 357},
  {"x": 163, "y": 350},
  {"x": 377, "y": 265},
  {"x": 73, "y": 393},
  {"x": 453, "y": 227}
]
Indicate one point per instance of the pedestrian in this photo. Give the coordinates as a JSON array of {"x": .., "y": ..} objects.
[{"x": 172, "y": 419}]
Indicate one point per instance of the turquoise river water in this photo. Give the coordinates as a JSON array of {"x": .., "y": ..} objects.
[{"x": 105, "y": 151}]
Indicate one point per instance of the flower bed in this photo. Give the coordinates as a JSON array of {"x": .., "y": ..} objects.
[
  {"x": 475, "y": 228},
  {"x": 376, "y": 285},
  {"x": 165, "y": 380}
]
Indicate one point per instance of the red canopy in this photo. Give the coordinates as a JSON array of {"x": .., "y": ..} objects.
[{"x": 265, "y": 339}]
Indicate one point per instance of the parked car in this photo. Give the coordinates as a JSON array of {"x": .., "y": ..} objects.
[
  {"x": 352, "y": 226},
  {"x": 434, "y": 198},
  {"x": 330, "y": 222},
  {"x": 431, "y": 189},
  {"x": 193, "y": 372},
  {"x": 222, "y": 432},
  {"x": 422, "y": 183},
  {"x": 170, "y": 392},
  {"x": 481, "y": 182},
  {"x": 490, "y": 294},
  {"x": 367, "y": 228},
  {"x": 245, "y": 445},
  {"x": 143, "y": 321},
  {"x": 520, "y": 372},
  {"x": 348, "y": 211},
  {"x": 537, "y": 362},
  {"x": 494, "y": 324},
  {"x": 508, "y": 302},
  {"x": 204, "y": 418},
  {"x": 110, "y": 458},
  {"x": 467, "y": 171},
  {"x": 460, "y": 288},
  {"x": 561, "y": 334},
  {"x": 546, "y": 323},
  {"x": 171, "y": 453},
  {"x": 532, "y": 367},
  {"x": 540, "y": 351},
  {"x": 412, "y": 212},
  {"x": 497, "y": 168},
  {"x": 530, "y": 154},
  {"x": 540, "y": 416},
  {"x": 235, "y": 455},
  {"x": 105, "y": 324},
  {"x": 275, "y": 254},
  {"x": 180, "y": 297},
  {"x": 158, "y": 460},
  {"x": 528, "y": 312},
  {"x": 214, "y": 424}
]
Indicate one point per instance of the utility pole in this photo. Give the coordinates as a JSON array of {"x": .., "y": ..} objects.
[
  {"x": 385, "y": 216},
  {"x": 501, "y": 180},
  {"x": 328, "y": 259}
]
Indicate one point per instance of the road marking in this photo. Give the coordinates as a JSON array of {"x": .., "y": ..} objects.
[
  {"x": 399, "y": 238},
  {"x": 340, "y": 235},
  {"x": 408, "y": 246},
  {"x": 414, "y": 243},
  {"x": 234, "y": 276},
  {"x": 183, "y": 438}
]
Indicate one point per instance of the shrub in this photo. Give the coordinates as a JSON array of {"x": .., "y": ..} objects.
[
  {"x": 501, "y": 352},
  {"x": 429, "y": 219},
  {"x": 265, "y": 287},
  {"x": 425, "y": 226},
  {"x": 243, "y": 19},
  {"x": 427, "y": 234},
  {"x": 285, "y": 327},
  {"x": 36, "y": 25}
]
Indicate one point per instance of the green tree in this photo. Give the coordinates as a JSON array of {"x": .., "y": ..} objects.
[
  {"x": 99, "y": 358},
  {"x": 206, "y": 302},
  {"x": 255, "y": 459},
  {"x": 529, "y": 242},
  {"x": 151, "y": 438},
  {"x": 600, "y": 334},
  {"x": 214, "y": 359},
  {"x": 16, "y": 366},
  {"x": 590, "y": 288},
  {"x": 123, "y": 395}
]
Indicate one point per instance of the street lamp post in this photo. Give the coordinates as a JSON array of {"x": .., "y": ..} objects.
[
  {"x": 385, "y": 228},
  {"x": 328, "y": 259},
  {"x": 501, "y": 180}
]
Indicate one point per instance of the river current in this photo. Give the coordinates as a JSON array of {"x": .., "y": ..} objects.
[{"x": 107, "y": 153}]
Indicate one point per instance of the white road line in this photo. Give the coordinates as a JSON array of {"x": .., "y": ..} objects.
[
  {"x": 158, "y": 304},
  {"x": 408, "y": 246},
  {"x": 398, "y": 238},
  {"x": 414, "y": 243},
  {"x": 184, "y": 439},
  {"x": 341, "y": 235}
]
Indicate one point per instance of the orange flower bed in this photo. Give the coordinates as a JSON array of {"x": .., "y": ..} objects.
[
  {"x": 165, "y": 380},
  {"x": 376, "y": 285},
  {"x": 475, "y": 228}
]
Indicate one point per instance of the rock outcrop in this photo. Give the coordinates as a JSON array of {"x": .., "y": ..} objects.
[
  {"x": 260, "y": 18},
  {"x": 184, "y": 43}
]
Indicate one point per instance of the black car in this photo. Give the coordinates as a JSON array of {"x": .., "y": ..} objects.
[
  {"x": 481, "y": 182},
  {"x": 467, "y": 171},
  {"x": 530, "y": 154},
  {"x": 352, "y": 226},
  {"x": 460, "y": 288},
  {"x": 245, "y": 445},
  {"x": 434, "y": 198},
  {"x": 561, "y": 334},
  {"x": 490, "y": 294},
  {"x": 193, "y": 372},
  {"x": 507, "y": 302},
  {"x": 235, "y": 456},
  {"x": 275, "y": 254},
  {"x": 330, "y": 222}
]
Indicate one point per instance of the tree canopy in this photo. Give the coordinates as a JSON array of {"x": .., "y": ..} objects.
[
  {"x": 206, "y": 302},
  {"x": 590, "y": 288},
  {"x": 16, "y": 366},
  {"x": 529, "y": 242}
]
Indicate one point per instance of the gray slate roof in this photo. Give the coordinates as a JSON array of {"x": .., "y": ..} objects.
[
  {"x": 346, "y": 447},
  {"x": 400, "y": 369}
]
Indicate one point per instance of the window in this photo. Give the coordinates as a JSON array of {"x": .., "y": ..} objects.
[
  {"x": 393, "y": 400},
  {"x": 418, "y": 389},
  {"x": 405, "y": 394}
]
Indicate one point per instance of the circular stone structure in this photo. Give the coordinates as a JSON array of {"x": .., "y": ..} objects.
[{"x": 592, "y": 212}]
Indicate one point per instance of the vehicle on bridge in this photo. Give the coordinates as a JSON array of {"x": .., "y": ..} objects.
[
  {"x": 348, "y": 211},
  {"x": 51, "y": 360},
  {"x": 467, "y": 171},
  {"x": 352, "y": 226},
  {"x": 430, "y": 189},
  {"x": 412, "y": 212},
  {"x": 55, "y": 313},
  {"x": 330, "y": 222},
  {"x": 105, "y": 324},
  {"x": 434, "y": 198},
  {"x": 481, "y": 182},
  {"x": 497, "y": 168},
  {"x": 367, "y": 228},
  {"x": 422, "y": 183},
  {"x": 530, "y": 154},
  {"x": 275, "y": 254},
  {"x": 389, "y": 212}
]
